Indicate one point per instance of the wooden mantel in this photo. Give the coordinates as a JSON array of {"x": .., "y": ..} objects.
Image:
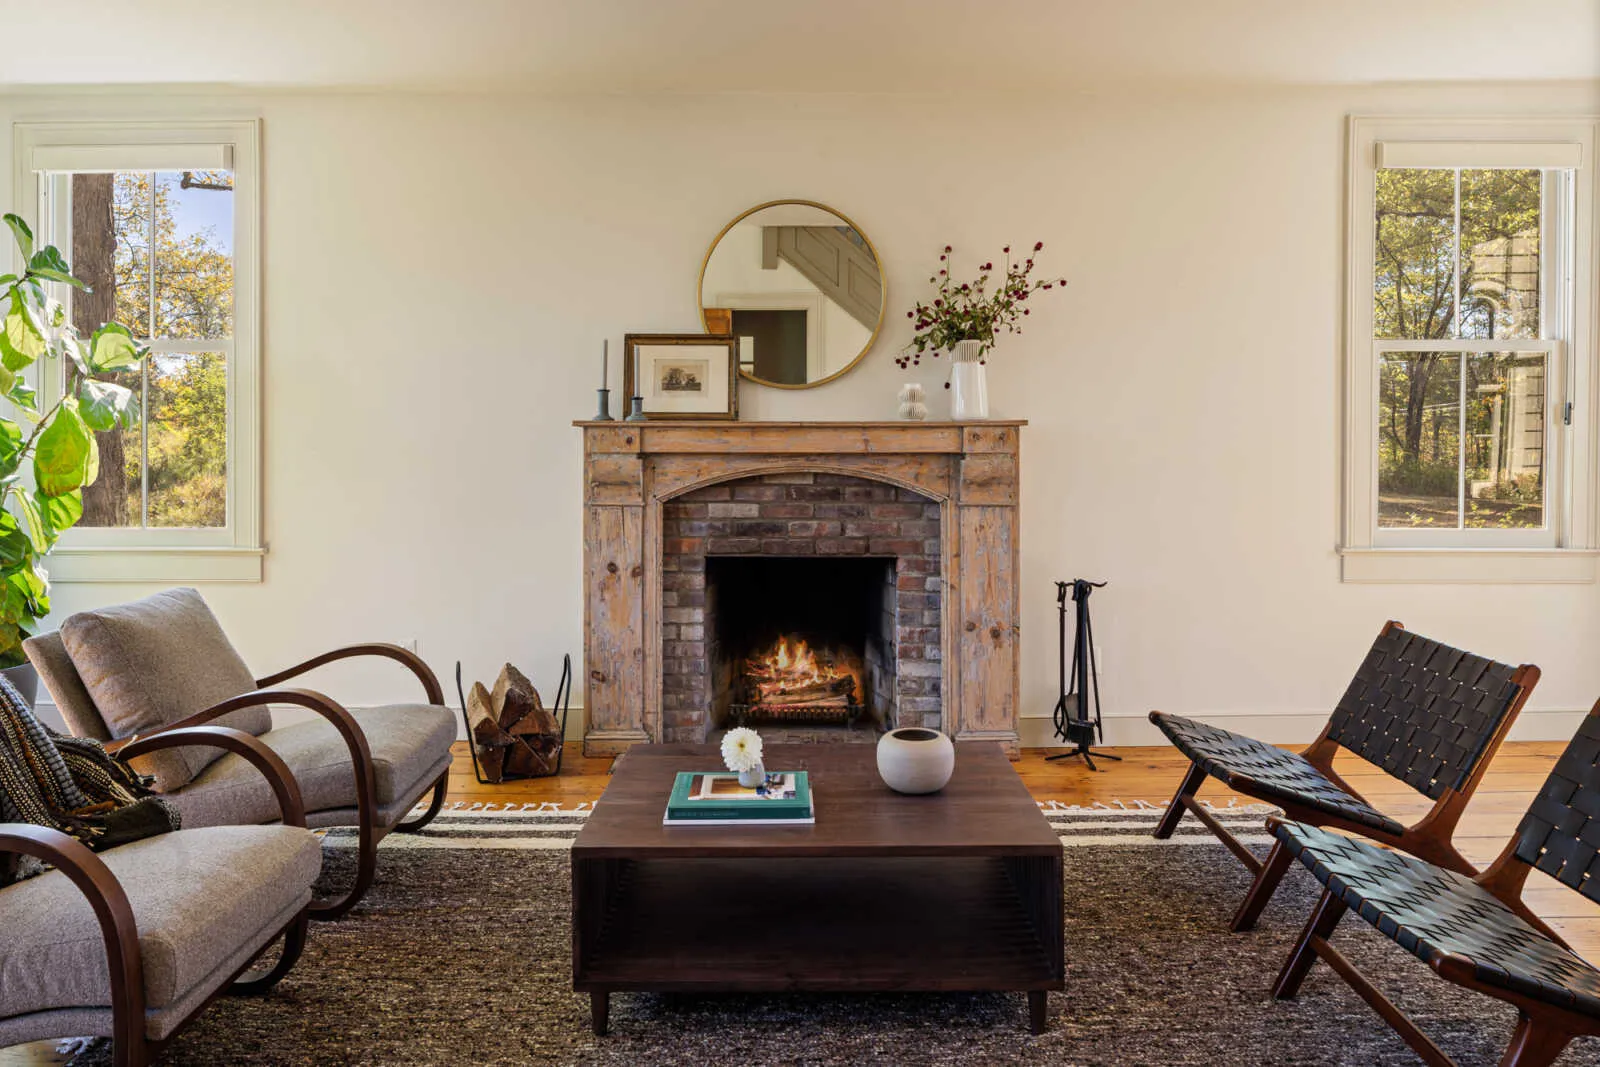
[{"x": 631, "y": 469}]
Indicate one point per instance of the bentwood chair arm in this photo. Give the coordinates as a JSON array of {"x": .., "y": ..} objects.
[
  {"x": 406, "y": 657},
  {"x": 124, "y": 964},
  {"x": 360, "y": 759},
  {"x": 269, "y": 763}
]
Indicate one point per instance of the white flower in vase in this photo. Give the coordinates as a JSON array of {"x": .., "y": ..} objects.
[{"x": 741, "y": 751}]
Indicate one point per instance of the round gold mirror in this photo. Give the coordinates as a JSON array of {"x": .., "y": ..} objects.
[{"x": 801, "y": 288}]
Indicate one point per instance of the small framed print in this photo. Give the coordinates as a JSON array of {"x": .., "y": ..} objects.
[{"x": 682, "y": 375}]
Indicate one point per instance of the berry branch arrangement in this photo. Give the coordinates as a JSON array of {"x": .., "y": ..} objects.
[{"x": 973, "y": 311}]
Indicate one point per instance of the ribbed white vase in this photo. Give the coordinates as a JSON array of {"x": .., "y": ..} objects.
[{"x": 969, "y": 384}]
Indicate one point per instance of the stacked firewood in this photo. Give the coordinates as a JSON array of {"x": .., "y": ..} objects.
[{"x": 513, "y": 734}]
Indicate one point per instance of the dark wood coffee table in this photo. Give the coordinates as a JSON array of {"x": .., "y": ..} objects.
[{"x": 960, "y": 890}]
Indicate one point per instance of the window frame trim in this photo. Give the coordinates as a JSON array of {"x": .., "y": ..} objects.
[
  {"x": 233, "y": 552},
  {"x": 1569, "y": 545}
]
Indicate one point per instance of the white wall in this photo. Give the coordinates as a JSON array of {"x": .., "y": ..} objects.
[{"x": 439, "y": 272}]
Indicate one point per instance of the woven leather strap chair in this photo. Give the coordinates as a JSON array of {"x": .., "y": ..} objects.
[
  {"x": 178, "y": 919},
  {"x": 1475, "y": 932},
  {"x": 163, "y": 663},
  {"x": 1428, "y": 714}
]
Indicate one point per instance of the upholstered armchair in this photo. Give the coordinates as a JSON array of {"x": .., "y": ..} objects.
[
  {"x": 164, "y": 663},
  {"x": 134, "y": 942}
]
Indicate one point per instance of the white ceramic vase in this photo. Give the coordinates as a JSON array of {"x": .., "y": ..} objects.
[
  {"x": 915, "y": 760},
  {"x": 753, "y": 777},
  {"x": 969, "y": 384}
]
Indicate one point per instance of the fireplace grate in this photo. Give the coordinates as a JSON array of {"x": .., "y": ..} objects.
[{"x": 745, "y": 714}]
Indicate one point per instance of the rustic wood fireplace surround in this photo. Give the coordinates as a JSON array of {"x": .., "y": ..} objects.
[{"x": 650, "y": 489}]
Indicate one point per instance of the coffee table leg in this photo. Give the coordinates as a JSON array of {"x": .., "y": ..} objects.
[
  {"x": 1038, "y": 1003},
  {"x": 600, "y": 1012}
]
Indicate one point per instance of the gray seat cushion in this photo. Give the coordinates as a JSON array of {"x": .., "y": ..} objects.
[
  {"x": 197, "y": 896},
  {"x": 155, "y": 661},
  {"x": 408, "y": 742}
]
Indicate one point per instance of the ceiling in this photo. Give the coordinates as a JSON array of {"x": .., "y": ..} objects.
[{"x": 792, "y": 45}]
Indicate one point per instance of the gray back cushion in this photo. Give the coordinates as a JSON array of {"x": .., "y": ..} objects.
[
  {"x": 49, "y": 657},
  {"x": 155, "y": 661}
]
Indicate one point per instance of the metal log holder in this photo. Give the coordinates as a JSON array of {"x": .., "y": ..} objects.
[
  {"x": 1083, "y": 729},
  {"x": 563, "y": 700},
  {"x": 794, "y": 714}
]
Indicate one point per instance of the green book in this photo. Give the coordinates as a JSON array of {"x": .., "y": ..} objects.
[{"x": 716, "y": 797}]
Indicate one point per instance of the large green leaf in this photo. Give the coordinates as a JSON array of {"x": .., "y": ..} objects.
[
  {"x": 60, "y": 512},
  {"x": 21, "y": 336},
  {"x": 23, "y": 235},
  {"x": 64, "y": 456},
  {"x": 30, "y": 583},
  {"x": 15, "y": 548},
  {"x": 48, "y": 263},
  {"x": 104, "y": 404},
  {"x": 10, "y": 446},
  {"x": 113, "y": 348},
  {"x": 24, "y": 398},
  {"x": 32, "y": 521}
]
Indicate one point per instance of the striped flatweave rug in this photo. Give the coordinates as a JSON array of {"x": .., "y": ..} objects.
[{"x": 554, "y": 826}]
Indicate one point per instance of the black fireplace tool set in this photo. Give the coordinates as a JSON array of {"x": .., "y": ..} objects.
[{"x": 1076, "y": 723}]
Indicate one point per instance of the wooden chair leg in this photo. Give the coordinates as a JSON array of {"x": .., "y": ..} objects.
[
  {"x": 1534, "y": 1044},
  {"x": 1261, "y": 890},
  {"x": 433, "y": 807},
  {"x": 1190, "y": 785},
  {"x": 1329, "y": 910},
  {"x": 294, "y": 942},
  {"x": 366, "y": 872}
]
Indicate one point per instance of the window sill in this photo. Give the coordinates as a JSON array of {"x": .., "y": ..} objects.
[
  {"x": 1469, "y": 566},
  {"x": 147, "y": 564}
]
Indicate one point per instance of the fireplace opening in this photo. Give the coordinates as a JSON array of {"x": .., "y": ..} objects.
[{"x": 801, "y": 641}]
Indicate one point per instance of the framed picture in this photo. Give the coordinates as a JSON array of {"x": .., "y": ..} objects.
[{"x": 682, "y": 375}]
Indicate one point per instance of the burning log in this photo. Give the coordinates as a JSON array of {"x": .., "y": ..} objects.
[{"x": 781, "y": 692}]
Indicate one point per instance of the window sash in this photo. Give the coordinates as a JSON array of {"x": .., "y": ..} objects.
[
  {"x": 1568, "y": 322},
  {"x": 232, "y": 552},
  {"x": 55, "y": 190},
  {"x": 1546, "y": 536}
]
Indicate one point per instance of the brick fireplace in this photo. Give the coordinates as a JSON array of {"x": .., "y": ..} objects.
[
  {"x": 834, "y": 559},
  {"x": 887, "y": 549}
]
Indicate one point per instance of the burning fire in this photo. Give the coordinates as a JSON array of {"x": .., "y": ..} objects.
[{"x": 790, "y": 674}]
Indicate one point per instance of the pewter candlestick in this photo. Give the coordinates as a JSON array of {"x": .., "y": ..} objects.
[
  {"x": 637, "y": 414},
  {"x": 604, "y": 414}
]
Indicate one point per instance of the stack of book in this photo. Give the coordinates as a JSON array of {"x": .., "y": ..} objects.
[{"x": 714, "y": 798}]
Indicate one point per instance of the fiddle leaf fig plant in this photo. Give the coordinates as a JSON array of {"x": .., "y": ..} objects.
[{"x": 56, "y": 446}]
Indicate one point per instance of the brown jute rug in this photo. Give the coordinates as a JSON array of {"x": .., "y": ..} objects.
[{"x": 461, "y": 955}]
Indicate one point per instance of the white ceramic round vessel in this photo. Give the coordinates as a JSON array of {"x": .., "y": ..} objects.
[{"x": 915, "y": 760}]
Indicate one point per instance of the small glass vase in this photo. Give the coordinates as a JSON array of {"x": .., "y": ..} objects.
[
  {"x": 753, "y": 777},
  {"x": 969, "y": 383}
]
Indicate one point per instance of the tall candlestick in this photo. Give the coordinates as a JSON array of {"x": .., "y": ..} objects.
[
  {"x": 636, "y": 410},
  {"x": 605, "y": 361}
]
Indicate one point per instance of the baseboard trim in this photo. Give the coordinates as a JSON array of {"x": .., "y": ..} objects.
[{"x": 1292, "y": 728}]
